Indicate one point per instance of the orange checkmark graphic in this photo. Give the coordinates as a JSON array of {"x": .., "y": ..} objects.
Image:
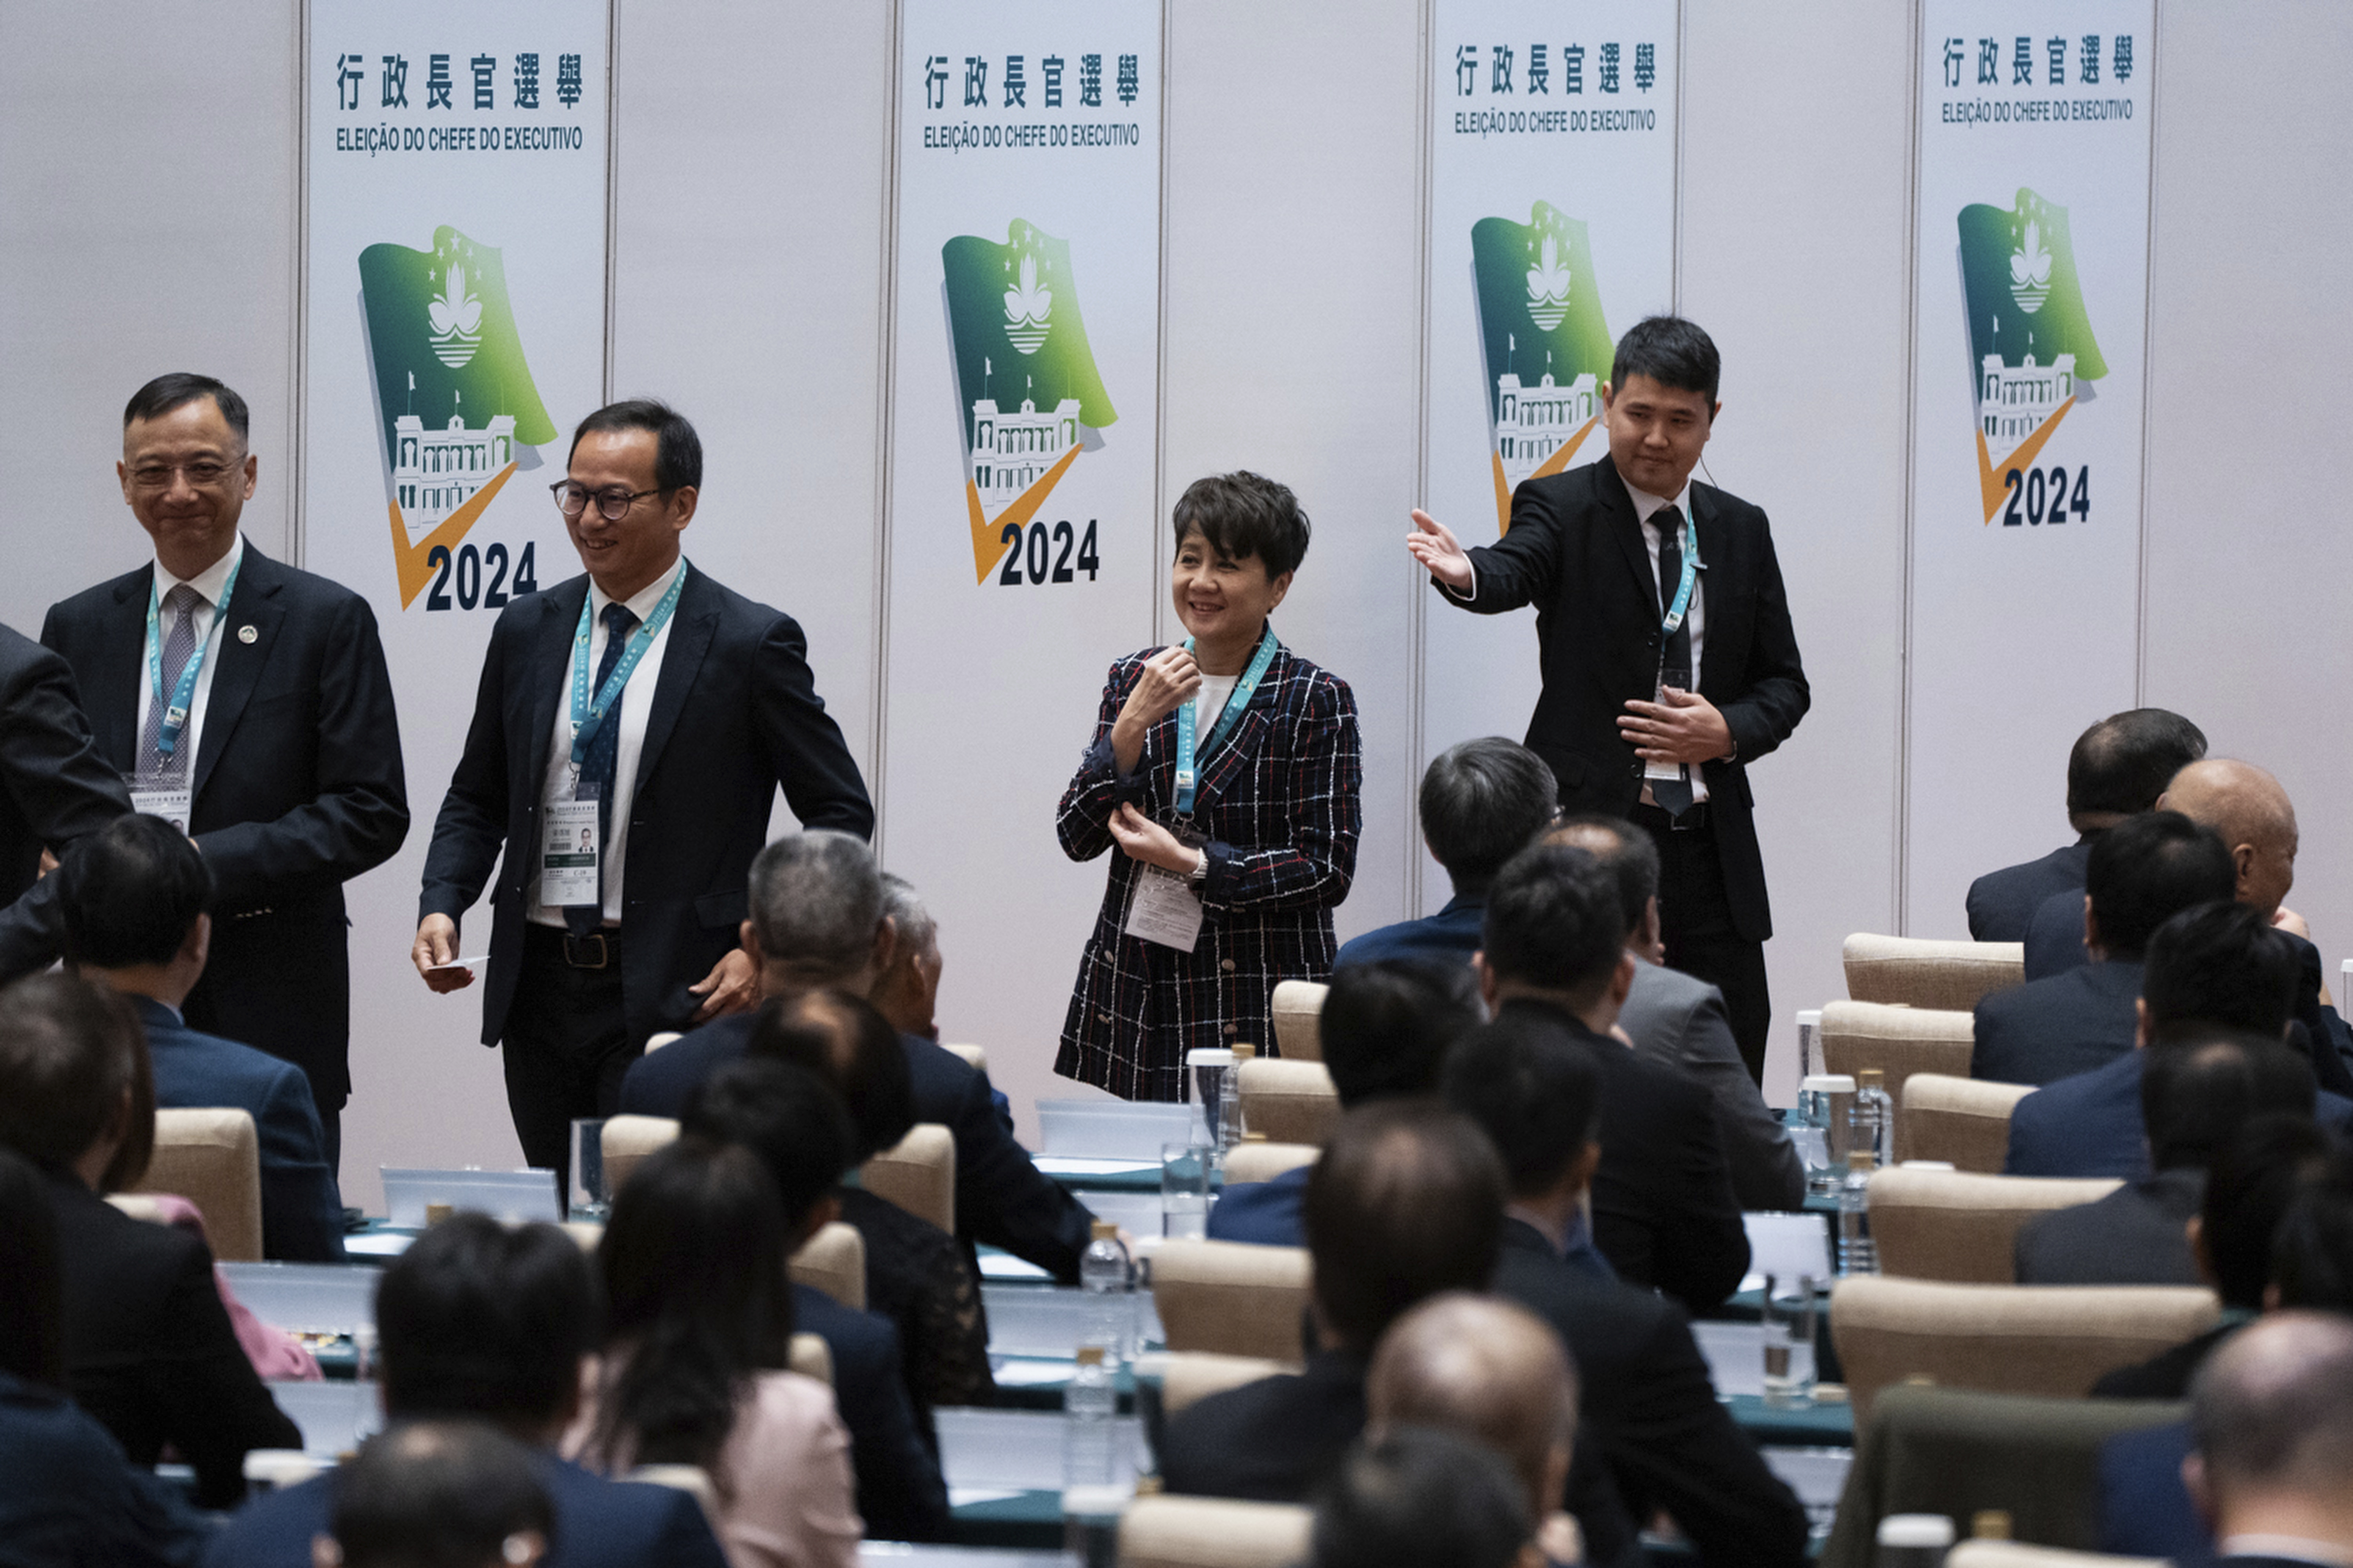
[
  {"x": 1990, "y": 477},
  {"x": 988, "y": 542},
  {"x": 415, "y": 560}
]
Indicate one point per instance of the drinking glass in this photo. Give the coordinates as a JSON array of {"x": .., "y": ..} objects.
[
  {"x": 1788, "y": 1323},
  {"x": 1185, "y": 1189},
  {"x": 587, "y": 1197}
]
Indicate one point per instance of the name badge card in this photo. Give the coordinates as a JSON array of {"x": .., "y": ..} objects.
[
  {"x": 166, "y": 795},
  {"x": 1164, "y": 910},
  {"x": 567, "y": 855}
]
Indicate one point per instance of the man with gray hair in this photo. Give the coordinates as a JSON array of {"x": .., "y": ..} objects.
[
  {"x": 908, "y": 991},
  {"x": 2272, "y": 1414}
]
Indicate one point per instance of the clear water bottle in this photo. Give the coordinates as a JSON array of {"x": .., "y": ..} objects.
[
  {"x": 1871, "y": 1120},
  {"x": 1213, "y": 1074},
  {"x": 1856, "y": 1252},
  {"x": 1230, "y": 1100},
  {"x": 1089, "y": 1409},
  {"x": 1107, "y": 1279},
  {"x": 1820, "y": 1098}
]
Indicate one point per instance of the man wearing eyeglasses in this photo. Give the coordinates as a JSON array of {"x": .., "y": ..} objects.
[
  {"x": 631, "y": 729},
  {"x": 248, "y": 701}
]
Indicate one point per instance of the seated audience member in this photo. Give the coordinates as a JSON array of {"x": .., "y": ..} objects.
[
  {"x": 1680, "y": 1022},
  {"x": 2272, "y": 1412},
  {"x": 1405, "y": 1205},
  {"x": 148, "y": 1346},
  {"x": 1663, "y": 1211},
  {"x": 1649, "y": 1408},
  {"x": 2142, "y": 873},
  {"x": 440, "y": 1494},
  {"x": 136, "y": 901},
  {"x": 66, "y": 1493},
  {"x": 797, "y": 1126},
  {"x": 2116, "y": 768},
  {"x": 2193, "y": 1098},
  {"x": 908, "y": 991},
  {"x": 1481, "y": 802},
  {"x": 1385, "y": 1027},
  {"x": 698, "y": 1325},
  {"x": 818, "y": 921},
  {"x": 480, "y": 1322},
  {"x": 1419, "y": 1498}
]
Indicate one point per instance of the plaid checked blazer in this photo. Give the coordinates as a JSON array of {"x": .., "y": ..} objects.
[{"x": 1278, "y": 798}]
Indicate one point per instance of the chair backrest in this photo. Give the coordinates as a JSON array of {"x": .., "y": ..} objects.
[
  {"x": 1298, "y": 1006},
  {"x": 1289, "y": 1101},
  {"x": 1961, "y": 1121},
  {"x": 1187, "y": 1377},
  {"x": 2054, "y": 1339},
  {"x": 1952, "y": 976},
  {"x": 918, "y": 1173},
  {"x": 656, "y": 1042},
  {"x": 1212, "y": 1532},
  {"x": 212, "y": 1157},
  {"x": 629, "y": 1139},
  {"x": 1231, "y": 1297},
  {"x": 1899, "y": 1042},
  {"x": 974, "y": 1056},
  {"x": 1255, "y": 1161},
  {"x": 2019, "y": 1554},
  {"x": 1963, "y": 1225},
  {"x": 833, "y": 1261},
  {"x": 809, "y": 1355}
]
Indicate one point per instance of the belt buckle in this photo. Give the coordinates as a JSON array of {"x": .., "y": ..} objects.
[
  {"x": 1692, "y": 818},
  {"x": 573, "y": 946}
]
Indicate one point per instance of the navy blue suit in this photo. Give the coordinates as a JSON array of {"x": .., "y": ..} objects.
[
  {"x": 1264, "y": 1213},
  {"x": 2090, "y": 1125},
  {"x": 70, "y": 1496},
  {"x": 2145, "y": 1510},
  {"x": 55, "y": 789},
  {"x": 2049, "y": 1029},
  {"x": 1452, "y": 935},
  {"x": 2001, "y": 903},
  {"x": 900, "y": 1493},
  {"x": 599, "y": 1523},
  {"x": 301, "y": 1211}
]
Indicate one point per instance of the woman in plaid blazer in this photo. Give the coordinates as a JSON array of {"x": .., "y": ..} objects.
[{"x": 1270, "y": 844}]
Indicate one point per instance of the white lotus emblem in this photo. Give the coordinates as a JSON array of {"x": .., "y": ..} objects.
[
  {"x": 457, "y": 319},
  {"x": 2029, "y": 271},
  {"x": 1025, "y": 309},
  {"x": 1548, "y": 286}
]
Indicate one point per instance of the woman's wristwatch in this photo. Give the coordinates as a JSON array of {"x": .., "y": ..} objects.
[{"x": 1199, "y": 876}]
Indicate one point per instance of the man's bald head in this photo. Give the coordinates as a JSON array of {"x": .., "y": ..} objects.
[
  {"x": 2247, "y": 806},
  {"x": 1486, "y": 1369},
  {"x": 2272, "y": 1412}
]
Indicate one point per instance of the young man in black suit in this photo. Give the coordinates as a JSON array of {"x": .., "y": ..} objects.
[
  {"x": 54, "y": 789},
  {"x": 701, "y": 704},
  {"x": 1662, "y": 682},
  {"x": 249, "y": 704}
]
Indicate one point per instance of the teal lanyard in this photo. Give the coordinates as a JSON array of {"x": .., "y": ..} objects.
[
  {"x": 175, "y": 714},
  {"x": 586, "y": 720},
  {"x": 1676, "y": 611},
  {"x": 1235, "y": 704}
]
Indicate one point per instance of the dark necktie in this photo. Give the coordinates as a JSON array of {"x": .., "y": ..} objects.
[
  {"x": 1674, "y": 794},
  {"x": 179, "y": 646},
  {"x": 598, "y": 768}
]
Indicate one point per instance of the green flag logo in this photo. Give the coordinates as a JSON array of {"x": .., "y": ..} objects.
[
  {"x": 1029, "y": 399},
  {"x": 453, "y": 385},
  {"x": 2030, "y": 340},
  {"x": 1545, "y": 344}
]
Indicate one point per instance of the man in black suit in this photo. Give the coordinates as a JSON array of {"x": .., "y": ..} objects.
[
  {"x": 1661, "y": 684},
  {"x": 701, "y": 705},
  {"x": 1647, "y": 1402},
  {"x": 54, "y": 789},
  {"x": 2140, "y": 873},
  {"x": 249, "y": 704},
  {"x": 2273, "y": 1417},
  {"x": 2116, "y": 768},
  {"x": 1663, "y": 1210}
]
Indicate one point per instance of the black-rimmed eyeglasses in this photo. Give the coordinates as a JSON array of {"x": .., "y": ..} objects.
[{"x": 571, "y": 500}]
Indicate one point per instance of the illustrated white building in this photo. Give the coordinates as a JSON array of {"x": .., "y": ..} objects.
[
  {"x": 1533, "y": 422},
  {"x": 1011, "y": 451},
  {"x": 2014, "y": 400},
  {"x": 434, "y": 472}
]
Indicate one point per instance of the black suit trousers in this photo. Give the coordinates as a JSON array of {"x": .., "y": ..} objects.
[
  {"x": 566, "y": 1046},
  {"x": 1695, "y": 920}
]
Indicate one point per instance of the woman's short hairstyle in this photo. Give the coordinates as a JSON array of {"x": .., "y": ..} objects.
[
  {"x": 1243, "y": 514},
  {"x": 69, "y": 1051}
]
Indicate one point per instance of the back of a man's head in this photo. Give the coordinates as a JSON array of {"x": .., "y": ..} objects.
[
  {"x": 846, "y": 1042},
  {"x": 476, "y": 1319},
  {"x": 2219, "y": 963},
  {"x": 1554, "y": 923},
  {"x": 2271, "y": 1415},
  {"x": 1531, "y": 1087},
  {"x": 1486, "y": 1369},
  {"x": 2312, "y": 1253},
  {"x": 2149, "y": 869},
  {"x": 440, "y": 1494},
  {"x": 2193, "y": 1097},
  {"x": 2254, "y": 1176},
  {"x": 815, "y": 899},
  {"x": 71, "y": 1054},
  {"x": 1481, "y": 802},
  {"x": 788, "y": 1116},
  {"x": 129, "y": 893},
  {"x": 2121, "y": 764},
  {"x": 1627, "y": 852},
  {"x": 2250, "y": 808},
  {"x": 1406, "y": 1202},
  {"x": 1417, "y": 1498},
  {"x": 1385, "y": 1027}
]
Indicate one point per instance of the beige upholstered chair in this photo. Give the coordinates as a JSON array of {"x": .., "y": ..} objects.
[
  {"x": 1961, "y": 1225},
  {"x": 584, "y": 1234},
  {"x": 212, "y": 1157},
  {"x": 1289, "y": 1101},
  {"x": 2018, "y": 1554},
  {"x": 1297, "y": 1020},
  {"x": 809, "y": 1355},
  {"x": 974, "y": 1056},
  {"x": 656, "y": 1042},
  {"x": 1960, "y": 1121},
  {"x": 1251, "y": 1161},
  {"x": 1950, "y": 976},
  {"x": 1899, "y": 1042},
  {"x": 1231, "y": 1297},
  {"x": 629, "y": 1139},
  {"x": 834, "y": 1261},
  {"x": 918, "y": 1173},
  {"x": 1186, "y": 1377},
  {"x": 2007, "y": 1338},
  {"x": 1212, "y": 1532}
]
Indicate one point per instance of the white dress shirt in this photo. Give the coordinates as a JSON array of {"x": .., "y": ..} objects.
[
  {"x": 1646, "y": 507},
  {"x": 208, "y": 584},
  {"x": 637, "y": 703}
]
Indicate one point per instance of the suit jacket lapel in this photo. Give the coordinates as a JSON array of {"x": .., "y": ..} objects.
[
  {"x": 550, "y": 674},
  {"x": 692, "y": 626},
  {"x": 1628, "y": 529},
  {"x": 252, "y": 603},
  {"x": 1221, "y": 767},
  {"x": 112, "y": 698}
]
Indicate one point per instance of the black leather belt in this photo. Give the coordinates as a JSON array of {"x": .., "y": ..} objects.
[
  {"x": 1693, "y": 820},
  {"x": 597, "y": 950}
]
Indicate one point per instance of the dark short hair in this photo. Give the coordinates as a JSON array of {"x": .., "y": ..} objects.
[
  {"x": 32, "y": 1311},
  {"x": 1406, "y": 1202},
  {"x": 2312, "y": 1252},
  {"x": 2253, "y": 1176},
  {"x": 2219, "y": 964},
  {"x": 846, "y": 1042},
  {"x": 129, "y": 893},
  {"x": 2123, "y": 763},
  {"x": 1554, "y": 921},
  {"x": 1671, "y": 351},
  {"x": 1243, "y": 514},
  {"x": 1421, "y": 1497},
  {"x": 1633, "y": 858},
  {"x": 478, "y": 1320},
  {"x": 437, "y": 1494},
  {"x": 1386, "y": 1026},
  {"x": 179, "y": 389},
  {"x": 2194, "y": 1097},
  {"x": 1532, "y": 1088},
  {"x": 678, "y": 450},
  {"x": 788, "y": 1116},
  {"x": 69, "y": 1049},
  {"x": 1481, "y": 801},
  {"x": 2149, "y": 868}
]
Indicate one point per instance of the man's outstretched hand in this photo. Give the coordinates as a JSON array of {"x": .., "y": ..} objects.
[{"x": 1434, "y": 545}]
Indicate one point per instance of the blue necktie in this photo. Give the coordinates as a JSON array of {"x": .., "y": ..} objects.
[{"x": 598, "y": 768}]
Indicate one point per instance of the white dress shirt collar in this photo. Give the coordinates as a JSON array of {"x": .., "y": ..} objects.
[
  {"x": 641, "y": 603},
  {"x": 209, "y": 582},
  {"x": 1646, "y": 504}
]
